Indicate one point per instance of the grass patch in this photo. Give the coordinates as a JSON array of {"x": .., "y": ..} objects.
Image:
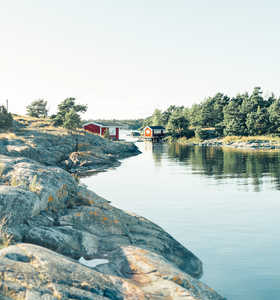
[
  {"x": 185, "y": 141},
  {"x": 34, "y": 186}
]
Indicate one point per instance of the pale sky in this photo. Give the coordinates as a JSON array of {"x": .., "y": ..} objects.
[{"x": 124, "y": 58}]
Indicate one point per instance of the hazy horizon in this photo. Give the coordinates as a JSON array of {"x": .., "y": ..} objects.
[{"x": 126, "y": 58}]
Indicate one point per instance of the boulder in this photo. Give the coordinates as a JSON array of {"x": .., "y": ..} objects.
[{"x": 52, "y": 187}]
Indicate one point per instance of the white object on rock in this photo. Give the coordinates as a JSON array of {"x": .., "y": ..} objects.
[{"x": 93, "y": 262}]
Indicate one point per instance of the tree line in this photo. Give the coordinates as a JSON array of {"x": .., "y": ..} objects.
[
  {"x": 242, "y": 115},
  {"x": 67, "y": 116}
]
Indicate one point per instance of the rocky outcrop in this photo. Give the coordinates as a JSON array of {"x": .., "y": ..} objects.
[
  {"x": 155, "y": 275},
  {"x": 97, "y": 230},
  {"x": 54, "y": 221},
  {"x": 80, "y": 152},
  {"x": 253, "y": 144},
  {"x": 57, "y": 213},
  {"x": 33, "y": 272}
]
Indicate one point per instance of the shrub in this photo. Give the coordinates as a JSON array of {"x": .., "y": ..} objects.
[
  {"x": 205, "y": 134},
  {"x": 189, "y": 133},
  {"x": 6, "y": 119},
  {"x": 107, "y": 134}
]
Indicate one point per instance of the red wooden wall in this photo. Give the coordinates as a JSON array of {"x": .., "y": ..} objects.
[
  {"x": 96, "y": 129},
  {"x": 92, "y": 128}
]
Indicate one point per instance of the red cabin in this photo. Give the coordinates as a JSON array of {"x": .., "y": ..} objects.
[
  {"x": 154, "y": 133},
  {"x": 100, "y": 129}
]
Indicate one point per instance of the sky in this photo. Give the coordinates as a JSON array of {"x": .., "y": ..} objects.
[{"x": 125, "y": 58}]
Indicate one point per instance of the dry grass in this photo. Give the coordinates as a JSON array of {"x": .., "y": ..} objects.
[
  {"x": 34, "y": 186},
  {"x": 11, "y": 136},
  {"x": 24, "y": 118},
  {"x": 185, "y": 141}
]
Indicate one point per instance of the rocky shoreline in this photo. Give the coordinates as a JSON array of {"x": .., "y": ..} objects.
[
  {"x": 52, "y": 221},
  {"x": 253, "y": 144}
]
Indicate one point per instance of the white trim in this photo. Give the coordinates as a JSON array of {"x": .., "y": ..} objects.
[{"x": 100, "y": 125}]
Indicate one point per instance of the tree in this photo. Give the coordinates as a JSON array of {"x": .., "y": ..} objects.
[
  {"x": 220, "y": 101},
  {"x": 6, "y": 118},
  {"x": 274, "y": 117},
  {"x": 64, "y": 107},
  {"x": 207, "y": 114},
  {"x": 258, "y": 122},
  {"x": 37, "y": 108},
  {"x": 170, "y": 110},
  {"x": 72, "y": 120},
  {"x": 157, "y": 118},
  {"x": 234, "y": 123},
  {"x": 178, "y": 124},
  {"x": 194, "y": 115}
]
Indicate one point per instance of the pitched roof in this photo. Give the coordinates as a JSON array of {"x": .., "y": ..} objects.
[
  {"x": 156, "y": 127},
  {"x": 102, "y": 124}
]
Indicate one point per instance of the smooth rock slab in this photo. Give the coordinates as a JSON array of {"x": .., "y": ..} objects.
[
  {"x": 96, "y": 230},
  {"x": 49, "y": 275},
  {"x": 155, "y": 275}
]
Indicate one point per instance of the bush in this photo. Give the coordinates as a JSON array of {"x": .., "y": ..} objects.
[
  {"x": 6, "y": 119},
  {"x": 107, "y": 134},
  {"x": 205, "y": 134},
  {"x": 189, "y": 133}
]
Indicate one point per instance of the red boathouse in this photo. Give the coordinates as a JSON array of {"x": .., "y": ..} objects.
[
  {"x": 154, "y": 133},
  {"x": 100, "y": 129}
]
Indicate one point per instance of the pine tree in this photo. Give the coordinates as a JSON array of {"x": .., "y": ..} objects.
[
  {"x": 37, "y": 108},
  {"x": 274, "y": 117},
  {"x": 64, "y": 107},
  {"x": 6, "y": 119},
  {"x": 72, "y": 120},
  {"x": 178, "y": 124}
]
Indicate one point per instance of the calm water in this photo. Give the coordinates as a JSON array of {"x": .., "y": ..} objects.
[{"x": 221, "y": 204}]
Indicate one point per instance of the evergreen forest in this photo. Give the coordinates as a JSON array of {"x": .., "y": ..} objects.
[{"x": 243, "y": 115}]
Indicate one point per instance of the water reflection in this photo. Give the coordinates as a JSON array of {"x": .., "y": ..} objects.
[
  {"x": 157, "y": 150},
  {"x": 222, "y": 163}
]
